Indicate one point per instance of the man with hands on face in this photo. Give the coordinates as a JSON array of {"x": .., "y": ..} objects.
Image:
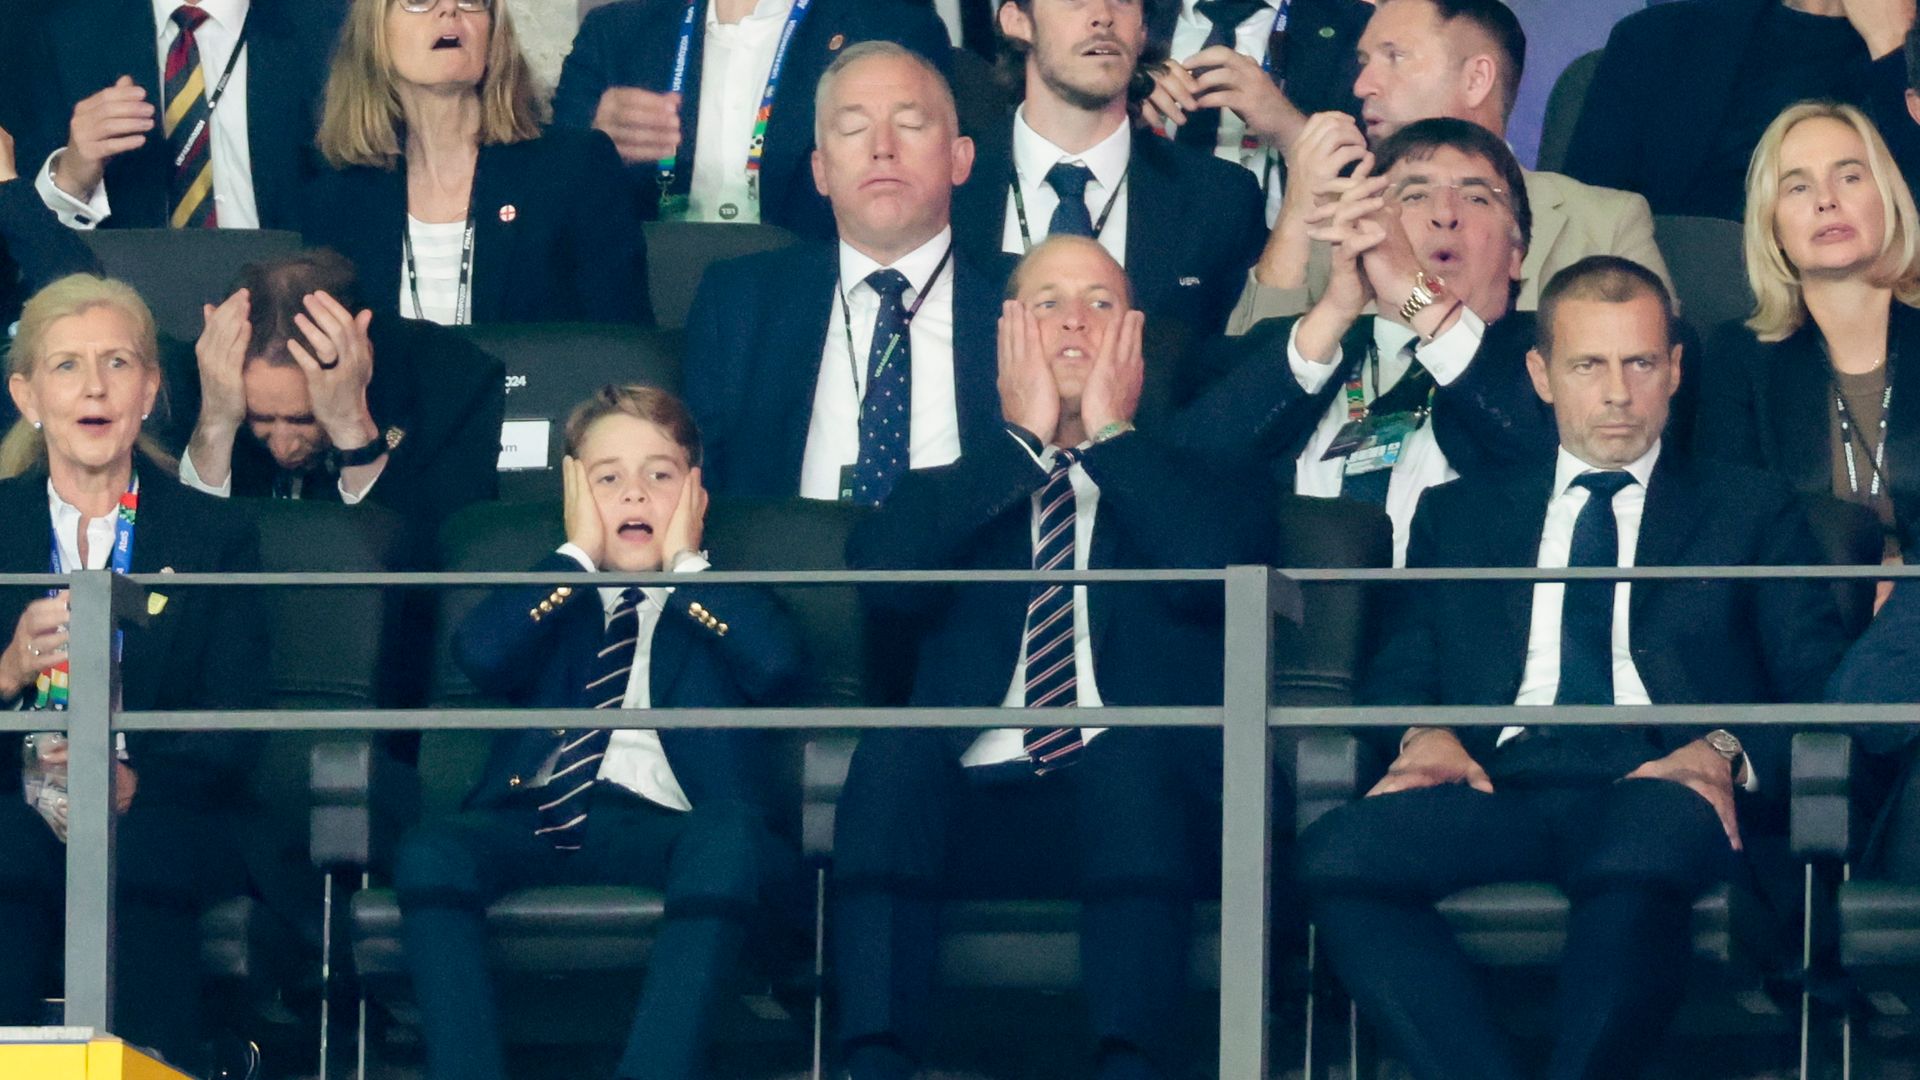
[
  {"x": 1632, "y": 822},
  {"x": 300, "y": 397},
  {"x": 1381, "y": 407},
  {"x": 1044, "y": 806},
  {"x": 683, "y": 810}
]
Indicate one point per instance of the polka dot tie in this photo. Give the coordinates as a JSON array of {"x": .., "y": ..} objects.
[{"x": 886, "y": 412}]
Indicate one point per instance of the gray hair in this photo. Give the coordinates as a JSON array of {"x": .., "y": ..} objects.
[{"x": 870, "y": 50}]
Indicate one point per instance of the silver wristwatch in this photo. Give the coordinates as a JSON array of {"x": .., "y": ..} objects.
[{"x": 1727, "y": 745}]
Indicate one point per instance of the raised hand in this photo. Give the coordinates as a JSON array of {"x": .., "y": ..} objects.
[
  {"x": 688, "y": 523},
  {"x": 222, "y": 354},
  {"x": 1327, "y": 144},
  {"x": 112, "y": 121},
  {"x": 1112, "y": 392},
  {"x": 337, "y": 358},
  {"x": 585, "y": 528},
  {"x": 643, "y": 125},
  {"x": 1029, "y": 397},
  {"x": 1228, "y": 79},
  {"x": 1174, "y": 95}
]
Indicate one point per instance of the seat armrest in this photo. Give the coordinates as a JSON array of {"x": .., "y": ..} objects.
[
  {"x": 361, "y": 801},
  {"x": 1824, "y": 825},
  {"x": 1327, "y": 774},
  {"x": 822, "y": 773}
]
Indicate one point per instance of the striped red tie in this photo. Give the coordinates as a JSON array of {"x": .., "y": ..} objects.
[
  {"x": 1049, "y": 634},
  {"x": 188, "y": 127}
]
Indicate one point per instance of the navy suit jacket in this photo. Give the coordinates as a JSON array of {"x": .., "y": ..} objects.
[
  {"x": 83, "y": 46},
  {"x": 632, "y": 43},
  {"x": 34, "y": 247},
  {"x": 1194, "y": 224},
  {"x": 1693, "y": 642},
  {"x": 755, "y": 338},
  {"x": 512, "y": 651},
  {"x": 1489, "y": 416},
  {"x": 555, "y": 240},
  {"x": 1152, "y": 644}
]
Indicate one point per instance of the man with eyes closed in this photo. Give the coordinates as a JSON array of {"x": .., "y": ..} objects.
[{"x": 829, "y": 371}]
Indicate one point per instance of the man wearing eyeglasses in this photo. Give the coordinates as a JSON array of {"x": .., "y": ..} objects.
[
  {"x": 146, "y": 114},
  {"x": 1381, "y": 407}
]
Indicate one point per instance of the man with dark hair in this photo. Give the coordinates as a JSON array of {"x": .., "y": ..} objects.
[
  {"x": 1184, "y": 224},
  {"x": 1684, "y": 91},
  {"x": 1632, "y": 822},
  {"x": 1430, "y": 58},
  {"x": 1381, "y": 407},
  {"x": 291, "y": 403}
]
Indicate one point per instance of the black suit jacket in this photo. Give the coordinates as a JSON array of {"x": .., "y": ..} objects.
[
  {"x": 632, "y": 43},
  {"x": 1770, "y": 406},
  {"x": 34, "y": 247},
  {"x": 83, "y": 46},
  {"x": 1664, "y": 84},
  {"x": 1694, "y": 642},
  {"x": 442, "y": 393},
  {"x": 1318, "y": 65},
  {"x": 510, "y": 650},
  {"x": 204, "y": 650},
  {"x": 755, "y": 339},
  {"x": 1194, "y": 224},
  {"x": 1152, "y": 644},
  {"x": 1487, "y": 418},
  {"x": 556, "y": 238}
]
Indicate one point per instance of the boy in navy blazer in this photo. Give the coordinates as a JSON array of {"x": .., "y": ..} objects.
[{"x": 684, "y": 811}]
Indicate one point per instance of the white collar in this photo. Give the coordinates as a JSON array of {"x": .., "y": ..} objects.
[
  {"x": 1566, "y": 467},
  {"x": 918, "y": 265},
  {"x": 763, "y": 11},
  {"x": 1189, "y": 13},
  {"x": 1034, "y": 155},
  {"x": 651, "y": 596},
  {"x": 228, "y": 13}
]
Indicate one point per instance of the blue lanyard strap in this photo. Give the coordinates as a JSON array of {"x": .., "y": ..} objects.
[
  {"x": 668, "y": 166},
  {"x": 124, "y": 516}
]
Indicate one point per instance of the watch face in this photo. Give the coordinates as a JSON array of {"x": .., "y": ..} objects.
[
  {"x": 1436, "y": 285},
  {"x": 1724, "y": 742}
]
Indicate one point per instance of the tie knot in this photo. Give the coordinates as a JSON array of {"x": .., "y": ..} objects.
[
  {"x": 629, "y": 602},
  {"x": 1063, "y": 460},
  {"x": 890, "y": 284},
  {"x": 1228, "y": 14},
  {"x": 1604, "y": 485},
  {"x": 1069, "y": 181},
  {"x": 189, "y": 17}
]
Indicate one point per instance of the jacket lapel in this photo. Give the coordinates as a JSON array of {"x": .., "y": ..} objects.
[
  {"x": 1673, "y": 511},
  {"x": 272, "y": 130},
  {"x": 798, "y": 332},
  {"x": 495, "y": 180},
  {"x": 1903, "y": 425},
  {"x": 1153, "y": 230},
  {"x": 976, "y": 368},
  {"x": 822, "y": 33},
  {"x": 1513, "y": 539},
  {"x": 1798, "y": 403},
  {"x": 667, "y": 657}
]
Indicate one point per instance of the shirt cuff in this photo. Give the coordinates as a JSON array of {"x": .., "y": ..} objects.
[
  {"x": 1752, "y": 782},
  {"x": 190, "y": 476},
  {"x": 73, "y": 213},
  {"x": 692, "y": 564},
  {"x": 1448, "y": 355},
  {"x": 574, "y": 552},
  {"x": 353, "y": 498},
  {"x": 1309, "y": 375}
]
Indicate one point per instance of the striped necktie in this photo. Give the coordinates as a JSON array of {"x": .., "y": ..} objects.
[
  {"x": 188, "y": 127},
  {"x": 1049, "y": 632},
  {"x": 576, "y": 765}
]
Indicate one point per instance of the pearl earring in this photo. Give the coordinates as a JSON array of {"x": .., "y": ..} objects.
[
  {"x": 144, "y": 415},
  {"x": 36, "y": 425}
]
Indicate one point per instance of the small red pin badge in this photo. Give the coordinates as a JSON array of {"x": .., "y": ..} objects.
[
  {"x": 833, "y": 45},
  {"x": 508, "y": 213}
]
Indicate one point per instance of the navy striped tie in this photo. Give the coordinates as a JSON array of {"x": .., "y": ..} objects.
[
  {"x": 563, "y": 819},
  {"x": 1049, "y": 632}
]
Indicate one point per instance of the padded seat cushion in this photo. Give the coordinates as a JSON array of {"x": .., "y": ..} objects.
[
  {"x": 1879, "y": 925},
  {"x": 552, "y": 930},
  {"x": 242, "y": 940},
  {"x": 1525, "y": 924}
]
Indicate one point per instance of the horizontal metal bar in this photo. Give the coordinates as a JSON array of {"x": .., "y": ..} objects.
[
  {"x": 13, "y": 720},
  {"x": 783, "y": 719},
  {"x": 1610, "y": 573},
  {"x": 38, "y": 581},
  {"x": 1811, "y": 715}
]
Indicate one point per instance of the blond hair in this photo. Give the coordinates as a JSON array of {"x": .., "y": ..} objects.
[
  {"x": 1781, "y": 307},
  {"x": 362, "y": 120},
  {"x": 24, "y": 447}
]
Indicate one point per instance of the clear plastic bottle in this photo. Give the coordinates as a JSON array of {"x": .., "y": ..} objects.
[{"x": 43, "y": 776}]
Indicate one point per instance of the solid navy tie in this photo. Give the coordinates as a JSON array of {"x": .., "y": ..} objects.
[
  {"x": 1049, "y": 631},
  {"x": 576, "y": 766},
  {"x": 886, "y": 412},
  {"x": 1586, "y": 615},
  {"x": 1070, "y": 218},
  {"x": 1202, "y": 129}
]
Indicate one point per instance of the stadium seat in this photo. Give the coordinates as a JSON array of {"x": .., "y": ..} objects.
[
  {"x": 1569, "y": 94},
  {"x": 551, "y": 367},
  {"x": 177, "y": 270},
  {"x": 1709, "y": 272},
  {"x": 678, "y": 252},
  {"x": 579, "y": 953},
  {"x": 1034, "y": 945}
]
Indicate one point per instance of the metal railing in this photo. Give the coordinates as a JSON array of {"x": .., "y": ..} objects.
[{"x": 1254, "y": 595}]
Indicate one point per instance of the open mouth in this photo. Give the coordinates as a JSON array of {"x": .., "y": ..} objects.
[
  {"x": 635, "y": 530},
  {"x": 1443, "y": 257},
  {"x": 447, "y": 41},
  {"x": 1103, "y": 47}
]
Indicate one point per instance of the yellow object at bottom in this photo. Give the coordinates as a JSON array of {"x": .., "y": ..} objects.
[{"x": 100, "y": 1059}]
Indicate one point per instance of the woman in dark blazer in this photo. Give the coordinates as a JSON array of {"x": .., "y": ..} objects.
[
  {"x": 1822, "y": 384},
  {"x": 447, "y": 195},
  {"x": 84, "y": 374}
]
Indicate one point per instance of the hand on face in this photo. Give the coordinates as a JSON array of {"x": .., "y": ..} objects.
[
  {"x": 1112, "y": 390},
  {"x": 337, "y": 358},
  {"x": 1029, "y": 398},
  {"x": 585, "y": 530},
  {"x": 222, "y": 355},
  {"x": 688, "y": 523}
]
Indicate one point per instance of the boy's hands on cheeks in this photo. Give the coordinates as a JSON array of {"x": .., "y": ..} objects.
[
  {"x": 1112, "y": 392},
  {"x": 585, "y": 530},
  {"x": 688, "y": 523},
  {"x": 1029, "y": 397}
]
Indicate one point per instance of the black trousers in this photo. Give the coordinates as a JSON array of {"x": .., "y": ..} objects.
[
  {"x": 1632, "y": 856},
  {"x": 173, "y": 863},
  {"x": 712, "y": 862},
  {"x": 1116, "y": 830}
]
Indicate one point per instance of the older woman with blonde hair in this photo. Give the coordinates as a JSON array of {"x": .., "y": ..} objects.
[
  {"x": 447, "y": 195},
  {"x": 84, "y": 492},
  {"x": 1822, "y": 384}
]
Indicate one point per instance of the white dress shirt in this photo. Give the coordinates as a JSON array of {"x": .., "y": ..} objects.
[
  {"x": 949, "y": 12},
  {"x": 437, "y": 250},
  {"x": 232, "y": 159},
  {"x": 1250, "y": 38},
  {"x": 1034, "y": 157},
  {"x": 833, "y": 436},
  {"x": 190, "y": 476},
  {"x": 733, "y": 76},
  {"x": 1421, "y": 464},
  {"x": 1009, "y": 744},
  {"x": 634, "y": 757}
]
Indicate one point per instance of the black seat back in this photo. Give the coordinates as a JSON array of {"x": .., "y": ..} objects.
[
  {"x": 1704, "y": 255},
  {"x": 177, "y": 270},
  {"x": 1564, "y": 102},
  {"x": 678, "y": 252},
  {"x": 1318, "y": 662}
]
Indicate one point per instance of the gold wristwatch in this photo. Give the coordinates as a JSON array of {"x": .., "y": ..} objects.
[{"x": 1426, "y": 290}]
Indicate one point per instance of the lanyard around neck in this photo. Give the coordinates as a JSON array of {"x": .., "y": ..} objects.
[
  {"x": 893, "y": 341},
  {"x": 219, "y": 92},
  {"x": 51, "y": 686},
  {"x": 667, "y": 167},
  {"x": 1099, "y": 224},
  {"x": 462, "y": 299}
]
